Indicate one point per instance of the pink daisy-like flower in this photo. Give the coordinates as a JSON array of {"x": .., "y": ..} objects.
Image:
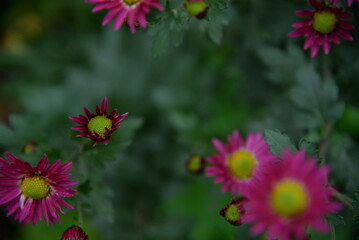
[
  {"x": 98, "y": 126},
  {"x": 237, "y": 162},
  {"x": 132, "y": 11},
  {"x": 30, "y": 192},
  {"x": 324, "y": 27},
  {"x": 290, "y": 197},
  {"x": 349, "y": 2},
  {"x": 74, "y": 233}
]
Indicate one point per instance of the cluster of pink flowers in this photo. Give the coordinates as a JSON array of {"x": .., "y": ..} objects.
[
  {"x": 325, "y": 25},
  {"x": 32, "y": 193},
  {"x": 281, "y": 196}
]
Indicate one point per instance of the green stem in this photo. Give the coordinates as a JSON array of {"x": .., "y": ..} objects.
[
  {"x": 79, "y": 210},
  {"x": 332, "y": 231},
  {"x": 327, "y": 128},
  {"x": 326, "y": 71},
  {"x": 323, "y": 146},
  {"x": 77, "y": 164}
]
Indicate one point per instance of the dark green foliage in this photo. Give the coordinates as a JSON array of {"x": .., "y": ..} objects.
[
  {"x": 310, "y": 148},
  {"x": 278, "y": 142}
]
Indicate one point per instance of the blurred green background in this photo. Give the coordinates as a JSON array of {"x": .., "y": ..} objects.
[{"x": 182, "y": 85}]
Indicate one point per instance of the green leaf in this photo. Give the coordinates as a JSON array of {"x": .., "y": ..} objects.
[
  {"x": 99, "y": 200},
  {"x": 309, "y": 147},
  {"x": 85, "y": 187},
  {"x": 278, "y": 141},
  {"x": 216, "y": 20},
  {"x": 317, "y": 100},
  {"x": 218, "y": 4},
  {"x": 282, "y": 64}
]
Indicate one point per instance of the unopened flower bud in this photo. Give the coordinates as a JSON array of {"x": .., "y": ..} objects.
[
  {"x": 195, "y": 164},
  {"x": 74, "y": 233},
  {"x": 197, "y": 8},
  {"x": 233, "y": 212},
  {"x": 29, "y": 147}
]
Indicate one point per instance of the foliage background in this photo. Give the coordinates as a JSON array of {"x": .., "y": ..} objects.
[{"x": 184, "y": 81}]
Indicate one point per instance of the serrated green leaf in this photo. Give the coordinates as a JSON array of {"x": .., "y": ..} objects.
[
  {"x": 161, "y": 42},
  {"x": 312, "y": 97},
  {"x": 282, "y": 64},
  {"x": 310, "y": 148},
  {"x": 277, "y": 141},
  {"x": 217, "y": 19}
]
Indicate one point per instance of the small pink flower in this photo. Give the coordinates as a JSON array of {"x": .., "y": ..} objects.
[
  {"x": 74, "y": 233},
  {"x": 30, "y": 192},
  {"x": 324, "y": 26},
  {"x": 132, "y": 11},
  {"x": 237, "y": 162},
  {"x": 291, "y": 196},
  {"x": 98, "y": 126}
]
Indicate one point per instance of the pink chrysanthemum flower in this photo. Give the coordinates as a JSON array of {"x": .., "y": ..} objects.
[
  {"x": 30, "y": 192},
  {"x": 290, "y": 197},
  {"x": 132, "y": 11},
  {"x": 349, "y": 2},
  {"x": 237, "y": 162},
  {"x": 98, "y": 126},
  {"x": 74, "y": 233},
  {"x": 324, "y": 27}
]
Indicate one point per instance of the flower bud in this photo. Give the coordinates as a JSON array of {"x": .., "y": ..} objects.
[
  {"x": 197, "y": 8},
  {"x": 74, "y": 233},
  {"x": 195, "y": 164},
  {"x": 233, "y": 212},
  {"x": 29, "y": 147}
]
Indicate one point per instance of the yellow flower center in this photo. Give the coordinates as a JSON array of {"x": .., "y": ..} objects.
[
  {"x": 241, "y": 164},
  {"x": 289, "y": 198},
  {"x": 232, "y": 212},
  {"x": 34, "y": 187},
  {"x": 324, "y": 22},
  {"x": 130, "y": 3},
  {"x": 99, "y": 124}
]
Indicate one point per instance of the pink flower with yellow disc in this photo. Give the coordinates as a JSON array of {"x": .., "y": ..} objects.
[
  {"x": 289, "y": 197},
  {"x": 324, "y": 26},
  {"x": 98, "y": 126},
  {"x": 238, "y": 161},
  {"x": 31, "y": 193}
]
